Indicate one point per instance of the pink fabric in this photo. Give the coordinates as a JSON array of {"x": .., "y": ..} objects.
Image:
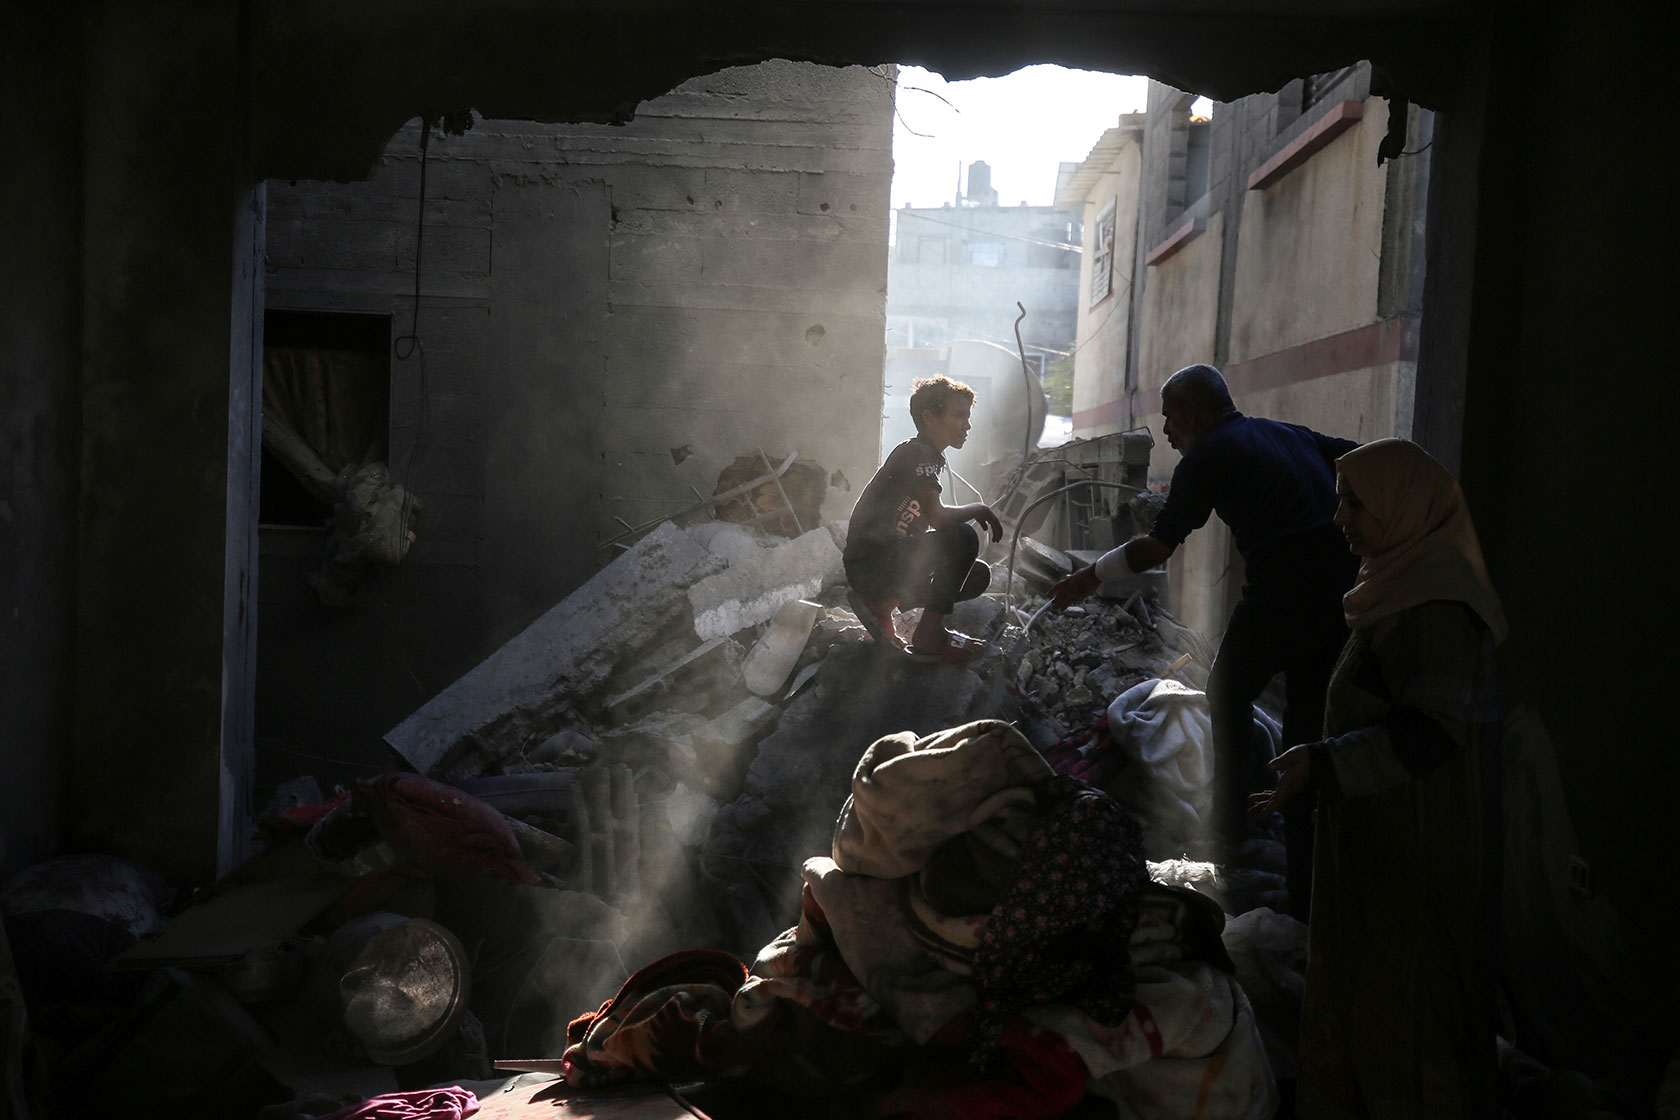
[{"x": 450, "y": 1103}]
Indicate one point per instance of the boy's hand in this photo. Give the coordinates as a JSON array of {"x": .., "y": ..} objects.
[{"x": 989, "y": 521}]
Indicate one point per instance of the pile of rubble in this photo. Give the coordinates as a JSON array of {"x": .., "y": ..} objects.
[{"x": 606, "y": 788}]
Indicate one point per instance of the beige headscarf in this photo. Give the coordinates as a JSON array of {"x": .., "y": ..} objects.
[{"x": 1427, "y": 549}]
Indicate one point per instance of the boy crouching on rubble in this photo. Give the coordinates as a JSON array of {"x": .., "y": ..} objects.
[{"x": 907, "y": 549}]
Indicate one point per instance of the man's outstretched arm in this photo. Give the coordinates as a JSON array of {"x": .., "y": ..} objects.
[{"x": 1137, "y": 555}]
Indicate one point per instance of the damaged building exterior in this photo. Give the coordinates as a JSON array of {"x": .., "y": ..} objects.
[
  {"x": 136, "y": 227},
  {"x": 608, "y": 316},
  {"x": 1265, "y": 239}
]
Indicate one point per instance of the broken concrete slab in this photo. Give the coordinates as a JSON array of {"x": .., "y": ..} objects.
[
  {"x": 751, "y": 592},
  {"x": 1053, "y": 559},
  {"x": 732, "y": 543},
  {"x": 714, "y": 661},
  {"x": 569, "y": 651}
]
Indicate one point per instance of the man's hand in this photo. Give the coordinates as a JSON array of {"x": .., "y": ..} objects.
[
  {"x": 1080, "y": 585},
  {"x": 987, "y": 520},
  {"x": 1294, "y": 767}
]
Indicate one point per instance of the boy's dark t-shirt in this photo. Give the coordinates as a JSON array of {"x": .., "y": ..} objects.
[{"x": 894, "y": 505}]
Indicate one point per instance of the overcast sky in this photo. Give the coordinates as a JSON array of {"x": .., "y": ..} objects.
[{"x": 1022, "y": 124}]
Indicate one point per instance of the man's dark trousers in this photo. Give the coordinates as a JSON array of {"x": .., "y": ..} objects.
[{"x": 1294, "y": 627}]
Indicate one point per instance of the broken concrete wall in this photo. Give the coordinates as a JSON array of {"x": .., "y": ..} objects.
[{"x": 608, "y": 317}]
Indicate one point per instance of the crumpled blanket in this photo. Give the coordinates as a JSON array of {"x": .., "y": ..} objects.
[
  {"x": 798, "y": 1021},
  {"x": 1163, "y": 730},
  {"x": 1190, "y": 1034},
  {"x": 670, "y": 1019},
  {"x": 1061, "y": 931},
  {"x": 1056, "y": 872},
  {"x": 883, "y": 981},
  {"x": 910, "y": 794},
  {"x": 919, "y": 819}
]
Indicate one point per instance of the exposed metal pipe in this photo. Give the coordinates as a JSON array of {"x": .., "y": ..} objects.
[
  {"x": 1015, "y": 538},
  {"x": 1026, "y": 441}
]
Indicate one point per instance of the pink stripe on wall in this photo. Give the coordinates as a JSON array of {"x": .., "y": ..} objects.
[
  {"x": 1336, "y": 120},
  {"x": 1375, "y": 344}
]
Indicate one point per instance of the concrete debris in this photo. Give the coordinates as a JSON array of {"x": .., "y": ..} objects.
[
  {"x": 567, "y": 743},
  {"x": 751, "y": 592},
  {"x": 725, "y": 746},
  {"x": 571, "y": 650},
  {"x": 690, "y": 812},
  {"x": 729, "y": 542},
  {"x": 774, "y": 655},
  {"x": 712, "y": 657},
  {"x": 1041, "y": 563}
]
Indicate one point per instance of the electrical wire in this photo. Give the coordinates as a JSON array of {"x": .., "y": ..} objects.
[
  {"x": 415, "y": 348},
  {"x": 1064, "y": 246}
]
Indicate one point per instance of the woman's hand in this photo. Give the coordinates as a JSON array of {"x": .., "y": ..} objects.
[{"x": 1294, "y": 767}]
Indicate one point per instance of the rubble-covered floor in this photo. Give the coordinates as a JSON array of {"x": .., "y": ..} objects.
[{"x": 602, "y": 792}]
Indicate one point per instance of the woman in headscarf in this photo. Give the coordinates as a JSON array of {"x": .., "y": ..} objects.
[{"x": 1399, "y": 1009}]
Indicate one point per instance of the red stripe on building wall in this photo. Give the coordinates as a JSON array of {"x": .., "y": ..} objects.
[
  {"x": 1336, "y": 120},
  {"x": 1112, "y": 412},
  {"x": 1188, "y": 230},
  {"x": 1375, "y": 344}
]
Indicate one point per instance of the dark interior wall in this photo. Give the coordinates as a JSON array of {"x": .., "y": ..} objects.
[
  {"x": 1567, "y": 349},
  {"x": 168, "y": 226},
  {"x": 40, "y": 93}
]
